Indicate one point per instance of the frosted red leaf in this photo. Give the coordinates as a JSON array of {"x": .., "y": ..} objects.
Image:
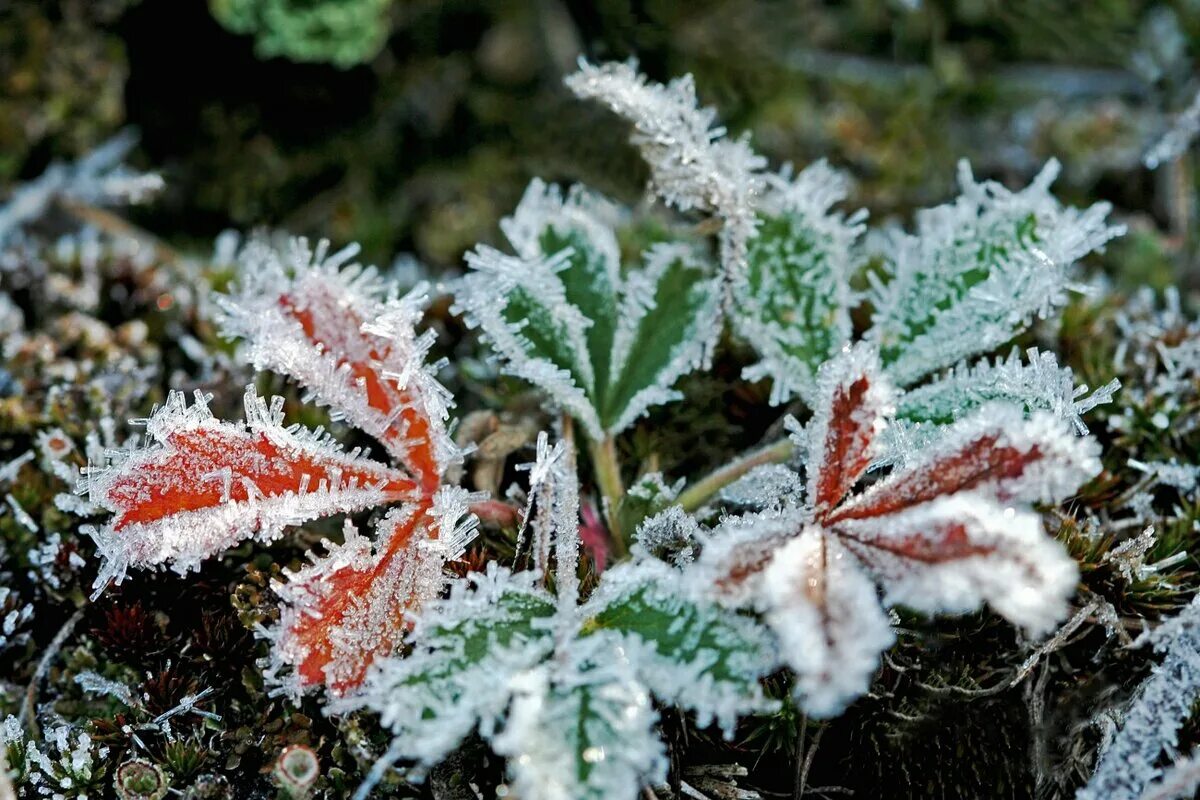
[
  {"x": 353, "y": 603},
  {"x": 203, "y": 485},
  {"x": 315, "y": 318},
  {"x": 841, "y": 436},
  {"x": 948, "y": 530}
]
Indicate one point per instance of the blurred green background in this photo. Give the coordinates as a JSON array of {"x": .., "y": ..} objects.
[{"x": 413, "y": 125}]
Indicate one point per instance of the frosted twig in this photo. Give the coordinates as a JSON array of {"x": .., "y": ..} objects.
[
  {"x": 699, "y": 492},
  {"x": 1159, "y": 708},
  {"x": 1177, "y": 139},
  {"x": 9, "y": 471},
  {"x": 187, "y": 704}
]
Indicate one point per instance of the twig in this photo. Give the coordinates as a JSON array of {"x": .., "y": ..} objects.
[
  {"x": 28, "y": 718},
  {"x": 118, "y": 226},
  {"x": 808, "y": 762}
]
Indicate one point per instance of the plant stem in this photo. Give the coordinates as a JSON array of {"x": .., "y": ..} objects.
[
  {"x": 699, "y": 493},
  {"x": 608, "y": 478}
]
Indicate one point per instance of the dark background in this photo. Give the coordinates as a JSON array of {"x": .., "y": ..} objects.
[{"x": 423, "y": 146}]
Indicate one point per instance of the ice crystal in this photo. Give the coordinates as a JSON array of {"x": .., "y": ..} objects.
[
  {"x": 977, "y": 271},
  {"x": 1162, "y": 704},
  {"x": 603, "y": 344},
  {"x": 947, "y": 531},
  {"x": 1179, "y": 782},
  {"x": 562, "y": 689},
  {"x": 14, "y": 616},
  {"x": 692, "y": 163},
  {"x": 1159, "y": 347},
  {"x": 671, "y": 531},
  {"x": 201, "y": 485}
]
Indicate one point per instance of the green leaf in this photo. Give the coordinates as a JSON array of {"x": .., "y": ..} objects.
[
  {"x": 584, "y": 730},
  {"x": 549, "y": 337},
  {"x": 977, "y": 272},
  {"x": 603, "y": 345},
  {"x": 589, "y": 285},
  {"x": 793, "y": 303},
  {"x": 686, "y": 649},
  {"x": 669, "y": 322},
  {"x": 465, "y": 650}
]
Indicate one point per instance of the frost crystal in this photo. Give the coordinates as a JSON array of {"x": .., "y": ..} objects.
[
  {"x": 202, "y": 485},
  {"x": 948, "y": 531},
  {"x": 604, "y": 345},
  {"x": 1159, "y": 709},
  {"x": 977, "y": 271},
  {"x": 692, "y": 164}
]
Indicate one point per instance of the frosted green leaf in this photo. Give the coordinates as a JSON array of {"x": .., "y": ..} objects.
[
  {"x": 581, "y": 731},
  {"x": 793, "y": 302},
  {"x": 686, "y": 649},
  {"x": 491, "y": 627},
  {"x": 669, "y": 322},
  {"x": 977, "y": 272},
  {"x": 1038, "y": 382},
  {"x": 561, "y": 315}
]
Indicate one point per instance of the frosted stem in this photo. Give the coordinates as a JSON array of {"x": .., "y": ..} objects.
[
  {"x": 608, "y": 478},
  {"x": 698, "y": 493}
]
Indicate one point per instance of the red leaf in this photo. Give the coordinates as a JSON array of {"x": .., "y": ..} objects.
[
  {"x": 203, "y": 485},
  {"x": 312, "y": 318},
  {"x": 979, "y": 461},
  {"x": 355, "y": 603},
  {"x": 183, "y": 475},
  {"x": 852, "y": 399},
  {"x": 332, "y": 327},
  {"x": 351, "y": 606},
  {"x": 938, "y": 544}
]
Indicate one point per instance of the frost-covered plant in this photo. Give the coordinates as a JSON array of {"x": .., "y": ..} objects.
[
  {"x": 201, "y": 485},
  {"x": 973, "y": 274},
  {"x": 607, "y": 343},
  {"x": 66, "y": 763},
  {"x": 561, "y": 687},
  {"x": 947, "y": 531},
  {"x": 554, "y": 672},
  {"x": 1127, "y": 768}
]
